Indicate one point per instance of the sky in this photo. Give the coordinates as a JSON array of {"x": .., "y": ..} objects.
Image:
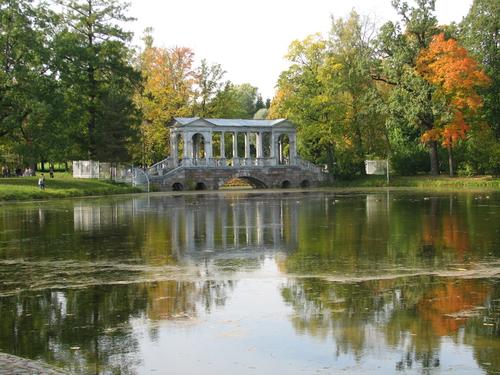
[{"x": 250, "y": 38}]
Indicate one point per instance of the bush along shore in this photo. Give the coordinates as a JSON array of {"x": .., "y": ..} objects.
[
  {"x": 61, "y": 186},
  {"x": 421, "y": 182}
]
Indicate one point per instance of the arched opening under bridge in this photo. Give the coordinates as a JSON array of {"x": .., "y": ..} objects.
[{"x": 243, "y": 182}]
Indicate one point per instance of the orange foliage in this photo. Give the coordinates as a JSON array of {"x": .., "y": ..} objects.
[
  {"x": 445, "y": 64},
  {"x": 448, "y": 66}
]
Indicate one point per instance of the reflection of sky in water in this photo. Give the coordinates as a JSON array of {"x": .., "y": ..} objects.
[{"x": 267, "y": 283}]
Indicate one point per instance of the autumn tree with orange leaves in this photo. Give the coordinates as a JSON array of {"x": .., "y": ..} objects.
[{"x": 456, "y": 76}]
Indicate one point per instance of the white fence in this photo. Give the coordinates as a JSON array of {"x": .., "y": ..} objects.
[
  {"x": 376, "y": 167},
  {"x": 111, "y": 171}
]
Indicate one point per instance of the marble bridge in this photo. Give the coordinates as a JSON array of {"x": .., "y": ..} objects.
[{"x": 207, "y": 153}]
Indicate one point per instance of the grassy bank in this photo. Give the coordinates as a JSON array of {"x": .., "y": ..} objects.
[
  {"x": 424, "y": 182},
  {"x": 62, "y": 186}
]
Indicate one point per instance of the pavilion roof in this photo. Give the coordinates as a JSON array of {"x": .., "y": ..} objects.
[{"x": 229, "y": 122}]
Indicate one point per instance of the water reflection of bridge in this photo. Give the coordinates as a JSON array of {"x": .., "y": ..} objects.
[{"x": 191, "y": 224}]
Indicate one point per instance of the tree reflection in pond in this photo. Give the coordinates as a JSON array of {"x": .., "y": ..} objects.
[{"x": 91, "y": 285}]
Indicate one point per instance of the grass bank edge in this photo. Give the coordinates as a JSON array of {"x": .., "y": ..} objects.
[
  {"x": 26, "y": 188},
  {"x": 421, "y": 182}
]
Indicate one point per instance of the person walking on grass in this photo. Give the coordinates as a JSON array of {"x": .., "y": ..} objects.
[
  {"x": 41, "y": 182},
  {"x": 51, "y": 172}
]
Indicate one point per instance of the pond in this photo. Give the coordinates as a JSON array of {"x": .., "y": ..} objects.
[{"x": 254, "y": 283}]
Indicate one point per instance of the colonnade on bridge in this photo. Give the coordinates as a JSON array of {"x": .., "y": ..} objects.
[{"x": 232, "y": 143}]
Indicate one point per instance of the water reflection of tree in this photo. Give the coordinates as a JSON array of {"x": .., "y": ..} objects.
[
  {"x": 345, "y": 237},
  {"x": 349, "y": 235},
  {"x": 91, "y": 330},
  {"x": 411, "y": 314}
]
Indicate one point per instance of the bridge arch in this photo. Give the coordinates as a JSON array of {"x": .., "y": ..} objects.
[
  {"x": 254, "y": 182},
  {"x": 177, "y": 186},
  {"x": 286, "y": 184},
  {"x": 200, "y": 186}
]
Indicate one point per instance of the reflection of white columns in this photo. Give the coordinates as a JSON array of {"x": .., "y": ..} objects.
[
  {"x": 236, "y": 227},
  {"x": 222, "y": 146},
  {"x": 247, "y": 145},
  {"x": 174, "y": 226},
  {"x": 189, "y": 235},
  {"x": 294, "y": 223},
  {"x": 259, "y": 145},
  {"x": 248, "y": 225},
  {"x": 276, "y": 223},
  {"x": 223, "y": 223},
  {"x": 259, "y": 224},
  {"x": 209, "y": 228}
]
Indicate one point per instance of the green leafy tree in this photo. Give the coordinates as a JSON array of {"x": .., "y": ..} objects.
[
  {"x": 29, "y": 95},
  {"x": 209, "y": 81},
  {"x": 410, "y": 101},
  {"x": 328, "y": 93},
  {"x": 97, "y": 75},
  {"x": 479, "y": 33}
]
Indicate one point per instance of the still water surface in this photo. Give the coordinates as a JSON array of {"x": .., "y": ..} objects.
[{"x": 254, "y": 283}]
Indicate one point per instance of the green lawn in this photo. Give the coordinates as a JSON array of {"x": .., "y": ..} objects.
[
  {"x": 422, "y": 182},
  {"x": 62, "y": 186}
]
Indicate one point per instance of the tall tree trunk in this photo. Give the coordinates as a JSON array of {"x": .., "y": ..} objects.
[
  {"x": 450, "y": 161},
  {"x": 91, "y": 76},
  {"x": 433, "y": 153}
]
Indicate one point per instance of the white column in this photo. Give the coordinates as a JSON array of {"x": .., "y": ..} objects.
[
  {"x": 273, "y": 145},
  {"x": 187, "y": 145},
  {"x": 235, "y": 145},
  {"x": 222, "y": 146},
  {"x": 173, "y": 148},
  {"x": 293, "y": 148},
  {"x": 259, "y": 145},
  {"x": 235, "y": 149},
  {"x": 247, "y": 145},
  {"x": 208, "y": 145}
]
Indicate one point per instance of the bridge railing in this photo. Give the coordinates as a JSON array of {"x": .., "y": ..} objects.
[
  {"x": 168, "y": 164},
  {"x": 308, "y": 165},
  {"x": 161, "y": 167}
]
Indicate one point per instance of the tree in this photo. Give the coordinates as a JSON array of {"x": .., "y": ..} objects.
[
  {"x": 410, "y": 98},
  {"x": 234, "y": 101},
  {"x": 448, "y": 66},
  {"x": 167, "y": 91},
  {"x": 208, "y": 80},
  {"x": 328, "y": 93},
  {"x": 29, "y": 94},
  {"x": 97, "y": 75},
  {"x": 259, "y": 103},
  {"x": 480, "y": 35}
]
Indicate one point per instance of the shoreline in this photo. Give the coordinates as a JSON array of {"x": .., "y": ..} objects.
[
  {"x": 340, "y": 190},
  {"x": 24, "y": 191}
]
